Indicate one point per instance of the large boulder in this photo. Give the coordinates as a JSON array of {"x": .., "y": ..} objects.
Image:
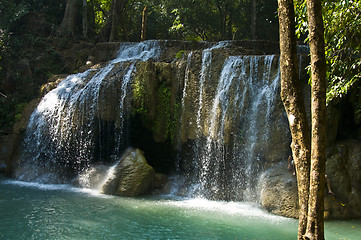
[
  {"x": 132, "y": 176},
  {"x": 278, "y": 191},
  {"x": 278, "y": 187},
  {"x": 343, "y": 170}
]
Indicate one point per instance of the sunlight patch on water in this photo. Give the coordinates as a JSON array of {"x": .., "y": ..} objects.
[
  {"x": 46, "y": 211},
  {"x": 56, "y": 187},
  {"x": 241, "y": 209}
]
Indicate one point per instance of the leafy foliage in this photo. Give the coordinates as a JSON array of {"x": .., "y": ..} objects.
[
  {"x": 342, "y": 20},
  {"x": 10, "y": 12},
  {"x": 343, "y": 37},
  {"x": 213, "y": 20},
  {"x": 210, "y": 20}
]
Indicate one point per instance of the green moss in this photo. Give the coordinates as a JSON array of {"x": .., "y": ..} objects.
[
  {"x": 140, "y": 95},
  {"x": 172, "y": 125},
  {"x": 163, "y": 113},
  {"x": 180, "y": 54},
  {"x": 152, "y": 100}
]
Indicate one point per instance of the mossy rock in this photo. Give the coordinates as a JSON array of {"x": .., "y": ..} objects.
[
  {"x": 154, "y": 99},
  {"x": 132, "y": 176}
]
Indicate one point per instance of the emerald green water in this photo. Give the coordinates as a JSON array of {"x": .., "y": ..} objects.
[{"x": 36, "y": 211}]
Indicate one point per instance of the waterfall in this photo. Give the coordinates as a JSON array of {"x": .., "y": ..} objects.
[
  {"x": 185, "y": 87},
  {"x": 229, "y": 151},
  {"x": 226, "y": 105},
  {"x": 204, "y": 74},
  {"x": 71, "y": 127}
]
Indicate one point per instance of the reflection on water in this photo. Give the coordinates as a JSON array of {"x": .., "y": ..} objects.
[{"x": 42, "y": 211}]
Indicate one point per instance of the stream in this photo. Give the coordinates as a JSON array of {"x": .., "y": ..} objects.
[{"x": 49, "y": 211}]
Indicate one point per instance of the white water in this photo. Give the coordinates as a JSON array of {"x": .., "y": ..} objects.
[
  {"x": 184, "y": 97},
  {"x": 185, "y": 87},
  {"x": 239, "y": 116},
  {"x": 205, "y": 74},
  {"x": 67, "y": 131},
  {"x": 243, "y": 100},
  {"x": 66, "y": 128}
]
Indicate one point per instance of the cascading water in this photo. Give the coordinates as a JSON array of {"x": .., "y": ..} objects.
[
  {"x": 233, "y": 135},
  {"x": 70, "y": 128},
  {"x": 223, "y": 139}
]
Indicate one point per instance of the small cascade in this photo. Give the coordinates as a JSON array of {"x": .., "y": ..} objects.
[
  {"x": 185, "y": 87},
  {"x": 194, "y": 98},
  {"x": 226, "y": 105},
  {"x": 205, "y": 74},
  {"x": 184, "y": 97},
  {"x": 232, "y": 137},
  {"x": 95, "y": 177},
  {"x": 73, "y": 125}
]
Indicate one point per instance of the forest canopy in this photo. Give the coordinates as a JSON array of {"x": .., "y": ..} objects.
[
  {"x": 27, "y": 25},
  {"x": 209, "y": 20}
]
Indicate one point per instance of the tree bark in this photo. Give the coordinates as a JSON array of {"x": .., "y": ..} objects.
[
  {"x": 85, "y": 18},
  {"x": 315, "y": 224},
  {"x": 293, "y": 102},
  {"x": 118, "y": 19},
  {"x": 114, "y": 16},
  {"x": 68, "y": 25},
  {"x": 144, "y": 24},
  {"x": 253, "y": 19}
]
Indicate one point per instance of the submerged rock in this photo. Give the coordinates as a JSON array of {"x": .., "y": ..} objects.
[{"x": 132, "y": 176}]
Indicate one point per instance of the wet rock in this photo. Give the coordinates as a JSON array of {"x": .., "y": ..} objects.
[
  {"x": 21, "y": 124},
  {"x": 52, "y": 83},
  {"x": 154, "y": 91},
  {"x": 343, "y": 170},
  {"x": 132, "y": 176},
  {"x": 279, "y": 191},
  {"x": 160, "y": 180},
  {"x": 278, "y": 187},
  {"x": 80, "y": 53},
  {"x": 110, "y": 94},
  {"x": 9, "y": 148}
]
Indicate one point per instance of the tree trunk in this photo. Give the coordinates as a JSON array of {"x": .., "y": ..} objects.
[
  {"x": 118, "y": 11},
  {"x": 114, "y": 19},
  {"x": 85, "y": 18},
  {"x": 293, "y": 102},
  {"x": 253, "y": 19},
  {"x": 68, "y": 25},
  {"x": 315, "y": 224},
  {"x": 144, "y": 24}
]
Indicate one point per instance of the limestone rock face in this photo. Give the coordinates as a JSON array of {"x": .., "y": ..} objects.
[
  {"x": 343, "y": 170},
  {"x": 160, "y": 180},
  {"x": 279, "y": 191},
  {"x": 154, "y": 100},
  {"x": 278, "y": 188},
  {"x": 132, "y": 176}
]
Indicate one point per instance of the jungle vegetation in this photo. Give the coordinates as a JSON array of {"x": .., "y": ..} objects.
[{"x": 31, "y": 27}]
